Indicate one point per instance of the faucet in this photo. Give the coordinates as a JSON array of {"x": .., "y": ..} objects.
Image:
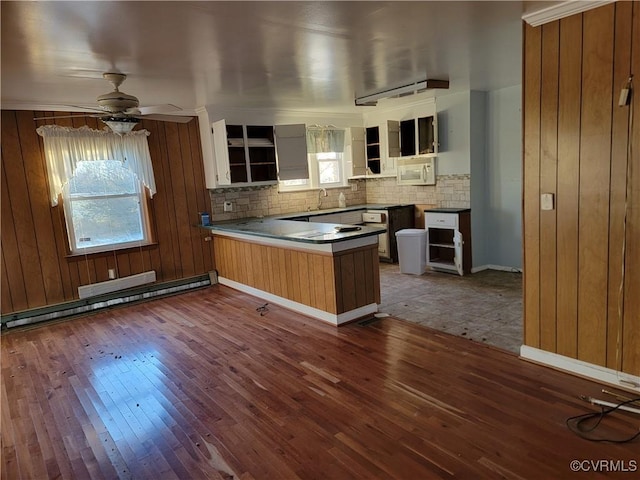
[{"x": 321, "y": 193}]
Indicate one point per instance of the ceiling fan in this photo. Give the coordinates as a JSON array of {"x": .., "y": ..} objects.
[{"x": 121, "y": 111}]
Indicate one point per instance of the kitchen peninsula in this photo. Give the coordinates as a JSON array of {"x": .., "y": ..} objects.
[{"x": 313, "y": 268}]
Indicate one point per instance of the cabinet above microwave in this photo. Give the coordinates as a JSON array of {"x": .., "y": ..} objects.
[{"x": 419, "y": 136}]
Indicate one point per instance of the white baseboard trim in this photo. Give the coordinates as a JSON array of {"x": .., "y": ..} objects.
[
  {"x": 496, "y": 267},
  {"x": 584, "y": 369},
  {"x": 331, "y": 318}
]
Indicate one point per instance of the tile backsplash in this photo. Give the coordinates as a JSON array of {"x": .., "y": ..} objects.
[
  {"x": 266, "y": 200},
  {"x": 449, "y": 191}
]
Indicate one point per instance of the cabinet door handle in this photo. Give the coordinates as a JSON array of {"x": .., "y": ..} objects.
[{"x": 227, "y": 175}]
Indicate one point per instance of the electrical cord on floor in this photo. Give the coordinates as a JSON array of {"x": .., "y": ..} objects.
[
  {"x": 262, "y": 310},
  {"x": 585, "y": 424}
]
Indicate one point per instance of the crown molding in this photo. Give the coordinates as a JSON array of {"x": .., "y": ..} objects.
[{"x": 562, "y": 10}]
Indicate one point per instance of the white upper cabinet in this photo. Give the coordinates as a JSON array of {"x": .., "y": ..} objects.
[
  {"x": 245, "y": 154},
  {"x": 419, "y": 136},
  {"x": 402, "y": 128},
  {"x": 291, "y": 145},
  {"x": 206, "y": 139},
  {"x": 388, "y": 166},
  {"x": 223, "y": 173},
  {"x": 355, "y": 151},
  {"x": 383, "y": 146}
]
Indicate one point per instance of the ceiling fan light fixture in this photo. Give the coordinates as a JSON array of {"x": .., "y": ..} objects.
[{"x": 120, "y": 125}]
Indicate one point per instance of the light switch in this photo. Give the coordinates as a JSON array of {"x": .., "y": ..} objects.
[{"x": 546, "y": 201}]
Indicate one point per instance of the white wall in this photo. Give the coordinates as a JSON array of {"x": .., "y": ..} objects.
[
  {"x": 479, "y": 172},
  {"x": 481, "y": 133},
  {"x": 504, "y": 176},
  {"x": 454, "y": 118}
]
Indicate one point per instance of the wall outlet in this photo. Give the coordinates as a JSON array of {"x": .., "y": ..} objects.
[
  {"x": 354, "y": 187},
  {"x": 624, "y": 97},
  {"x": 546, "y": 201},
  {"x": 228, "y": 206}
]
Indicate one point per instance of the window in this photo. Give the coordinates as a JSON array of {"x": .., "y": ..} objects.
[
  {"x": 325, "y": 170},
  {"x": 105, "y": 207},
  {"x": 329, "y": 169},
  {"x": 325, "y": 158},
  {"x": 103, "y": 179}
]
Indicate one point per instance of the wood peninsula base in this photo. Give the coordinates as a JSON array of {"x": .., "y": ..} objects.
[{"x": 336, "y": 285}]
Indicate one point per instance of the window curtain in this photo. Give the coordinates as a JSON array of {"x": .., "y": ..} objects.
[
  {"x": 64, "y": 147},
  {"x": 325, "y": 139}
]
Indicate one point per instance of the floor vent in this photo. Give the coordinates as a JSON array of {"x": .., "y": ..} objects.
[
  {"x": 367, "y": 321},
  {"x": 102, "y": 301}
]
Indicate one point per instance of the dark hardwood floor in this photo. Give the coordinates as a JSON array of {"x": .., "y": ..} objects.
[{"x": 208, "y": 385}]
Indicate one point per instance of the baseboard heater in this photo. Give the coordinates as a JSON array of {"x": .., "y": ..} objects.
[
  {"x": 104, "y": 298},
  {"x": 117, "y": 284}
]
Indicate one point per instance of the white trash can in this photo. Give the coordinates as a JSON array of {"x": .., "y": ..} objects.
[{"x": 412, "y": 250}]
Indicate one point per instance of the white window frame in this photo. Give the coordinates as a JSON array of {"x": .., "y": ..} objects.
[
  {"x": 313, "y": 182},
  {"x": 339, "y": 160},
  {"x": 140, "y": 194}
]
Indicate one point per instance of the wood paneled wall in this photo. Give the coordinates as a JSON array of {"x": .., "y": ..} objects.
[
  {"x": 582, "y": 259},
  {"x": 36, "y": 268},
  {"x": 335, "y": 283}
]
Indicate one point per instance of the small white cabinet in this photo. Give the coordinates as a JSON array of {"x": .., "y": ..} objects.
[{"x": 449, "y": 239}]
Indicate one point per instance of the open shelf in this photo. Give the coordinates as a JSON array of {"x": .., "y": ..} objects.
[
  {"x": 449, "y": 240},
  {"x": 372, "y": 135},
  {"x": 252, "y": 154}
]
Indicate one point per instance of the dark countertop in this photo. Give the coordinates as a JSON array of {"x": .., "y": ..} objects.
[
  {"x": 284, "y": 228},
  {"x": 307, "y": 232},
  {"x": 448, "y": 210},
  {"x": 328, "y": 211}
]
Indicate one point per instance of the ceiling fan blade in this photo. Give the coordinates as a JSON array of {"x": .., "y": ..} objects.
[
  {"x": 88, "y": 109},
  {"x": 166, "y": 118},
  {"x": 67, "y": 116},
  {"x": 167, "y": 108}
]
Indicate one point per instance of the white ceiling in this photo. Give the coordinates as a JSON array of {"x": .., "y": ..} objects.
[{"x": 289, "y": 55}]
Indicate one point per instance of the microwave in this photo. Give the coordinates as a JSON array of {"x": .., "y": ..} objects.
[{"x": 416, "y": 171}]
